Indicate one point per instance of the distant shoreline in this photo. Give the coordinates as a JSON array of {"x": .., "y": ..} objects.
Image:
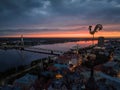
[{"x": 64, "y": 37}]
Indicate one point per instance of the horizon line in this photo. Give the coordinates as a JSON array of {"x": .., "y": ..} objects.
[{"x": 58, "y": 37}]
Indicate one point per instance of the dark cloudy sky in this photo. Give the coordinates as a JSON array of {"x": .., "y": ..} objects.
[{"x": 50, "y": 17}]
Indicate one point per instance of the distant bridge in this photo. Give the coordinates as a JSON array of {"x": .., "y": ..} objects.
[
  {"x": 44, "y": 51},
  {"x": 33, "y": 49}
]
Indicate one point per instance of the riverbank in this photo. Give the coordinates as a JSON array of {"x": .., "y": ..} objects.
[
  {"x": 10, "y": 75},
  {"x": 74, "y": 65},
  {"x": 63, "y": 46}
]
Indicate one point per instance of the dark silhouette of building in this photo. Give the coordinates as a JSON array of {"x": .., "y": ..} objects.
[{"x": 100, "y": 41}]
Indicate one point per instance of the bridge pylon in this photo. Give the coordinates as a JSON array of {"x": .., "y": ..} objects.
[{"x": 22, "y": 42}]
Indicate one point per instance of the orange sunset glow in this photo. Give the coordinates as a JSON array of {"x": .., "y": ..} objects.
[{"x": 69, "y": 34}]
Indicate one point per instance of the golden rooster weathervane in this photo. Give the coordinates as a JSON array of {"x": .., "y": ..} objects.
[{"x": 97, "y": 28}]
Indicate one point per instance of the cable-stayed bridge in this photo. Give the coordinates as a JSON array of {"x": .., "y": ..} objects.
[
  {"x": 44, "y": 51},
  {"x": 31, "y": 49}
]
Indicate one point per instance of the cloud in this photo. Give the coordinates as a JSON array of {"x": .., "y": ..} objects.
[
  {"x": 55, "y": 13},
  {"x": 18, "y": 12},
  {"x": 36, "y": 11},
  {"x": 42, "y": 30}
]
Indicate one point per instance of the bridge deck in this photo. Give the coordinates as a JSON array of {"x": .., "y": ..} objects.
[{"x": 35, "y": 51}]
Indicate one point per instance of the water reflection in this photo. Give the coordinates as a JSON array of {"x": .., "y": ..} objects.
[
  {"x": 13, "y": 58},
  {"x": 65, "y": 46}
]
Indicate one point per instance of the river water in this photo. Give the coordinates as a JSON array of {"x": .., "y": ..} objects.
[{"x": 13, "y": 58}]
